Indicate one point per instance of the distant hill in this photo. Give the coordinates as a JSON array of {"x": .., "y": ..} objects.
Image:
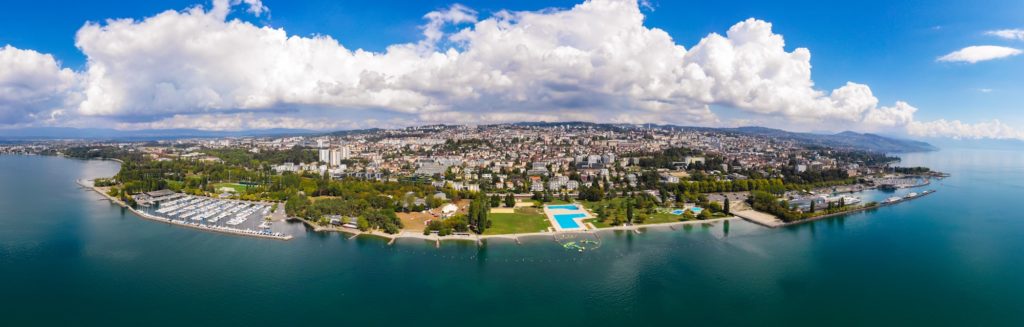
[
  {"x": 846, "y": 139},
  {"x": 50, "y": 133},
  {"x": 843, "y": 140},
  {"x": 849, "y": 140},
  {"x": 349, "y": 132}
]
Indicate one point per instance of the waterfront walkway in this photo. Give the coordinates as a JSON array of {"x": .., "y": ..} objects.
[{"x": 480, "y": 238}]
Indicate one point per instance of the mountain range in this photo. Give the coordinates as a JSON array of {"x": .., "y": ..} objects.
[{"x": 845, "y": 139}]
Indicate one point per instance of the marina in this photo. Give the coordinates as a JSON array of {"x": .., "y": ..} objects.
[
  {"x": 204, "y": 213},
  {"x": 245, "y": 217}
]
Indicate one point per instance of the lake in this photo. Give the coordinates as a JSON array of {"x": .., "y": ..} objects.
[{"x": 954, "y": 258}]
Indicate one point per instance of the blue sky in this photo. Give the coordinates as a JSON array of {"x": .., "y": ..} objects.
[{"x": 889, "y": 46}]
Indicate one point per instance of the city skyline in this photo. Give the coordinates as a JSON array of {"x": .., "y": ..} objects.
[{"x": 235, "y": 65}]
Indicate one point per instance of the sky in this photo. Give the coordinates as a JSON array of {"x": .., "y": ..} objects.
[{"x": 918, "y": 69}]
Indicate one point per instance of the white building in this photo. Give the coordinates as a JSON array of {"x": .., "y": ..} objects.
[
  {"x": 449, "y": 210},
  {"x": 325, "y": 155},
  {"x": 693, "y": 160},
  {"x": 572, "y": 185},
  {"x": 333, "y": 157},
  {"x": 669, "y": 178},
  {"x": 537, "y": 186}
]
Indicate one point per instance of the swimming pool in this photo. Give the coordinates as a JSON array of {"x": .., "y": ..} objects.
[
  {"x": 564, "y": 207},
  {"x": 565, "y": 221},
  {"x": 679, "y": 212}
]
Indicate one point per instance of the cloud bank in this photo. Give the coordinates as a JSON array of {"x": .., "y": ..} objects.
[
  {"x": 976, "y": 53},
  {"x": 993, "y": 129},
  {"x": 595, "y": 61}
]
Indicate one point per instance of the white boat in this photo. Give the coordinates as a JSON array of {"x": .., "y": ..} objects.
[{"x": 892, "y": 199}]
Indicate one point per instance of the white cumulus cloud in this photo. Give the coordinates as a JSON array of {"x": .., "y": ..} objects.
[
  {"x": 977, "y": 53},
  {"x": 1009, "y": 34},
  {"x": 33, "y": 86},
  {"x": 596, "y": 61}
]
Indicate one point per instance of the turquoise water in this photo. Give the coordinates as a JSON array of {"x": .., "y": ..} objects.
[
  {"x": 566, "y": 220},
  {"x": 564, "y": 207},
  {"x": 953, "y": 258}
]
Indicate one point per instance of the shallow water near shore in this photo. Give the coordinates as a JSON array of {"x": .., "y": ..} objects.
[{"x": 69, "y": 257}]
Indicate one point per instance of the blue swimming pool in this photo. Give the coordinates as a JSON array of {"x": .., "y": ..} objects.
[
  {"x": 679, "y": 212},
  {"x": 565, "y": 221},
  {"x": 564, "y": 207}
]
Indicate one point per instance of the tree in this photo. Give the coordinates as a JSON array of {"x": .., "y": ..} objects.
[
  {"x": 688, "y": 214},
  {"x": 602, "y": 214},
  {"x": 510, "y": 200},
  {"x": 812, "y": 205},
  {"x": 629, "y": 210},
  {"x": 705, "y": 214},
  {"x": 726, "y": 208},
  {"x": 478, "y": 209},
  {"x": 495, "y": 201}
]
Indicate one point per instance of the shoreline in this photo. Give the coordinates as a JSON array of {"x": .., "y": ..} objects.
[
  {"x": 472, "y": 238},
  {"x": 831, "y": 215},
  {"x": 480, "y": 238},
  {"x": 143, "y": 215},
  {"x": 857, "y": 210}
]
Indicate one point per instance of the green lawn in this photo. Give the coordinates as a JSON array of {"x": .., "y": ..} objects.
[
  {"x": 239, "y": 188},
  {"x": 599, "y": 224},
  {"x": 619, "y": 205},
  {"x": 657, "y": 218},
  {"x": 525, "y": 220},
  {"x": 662, "y": 217}
]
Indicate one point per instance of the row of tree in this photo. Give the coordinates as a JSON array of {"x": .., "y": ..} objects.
[
  {"x": 370, "y": 215},
  {"x": 767, "y": 203},
  {"x": 479, "y": 207}
]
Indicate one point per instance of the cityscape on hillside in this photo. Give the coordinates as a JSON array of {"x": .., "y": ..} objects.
[{"x": 670, "y": 174}]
